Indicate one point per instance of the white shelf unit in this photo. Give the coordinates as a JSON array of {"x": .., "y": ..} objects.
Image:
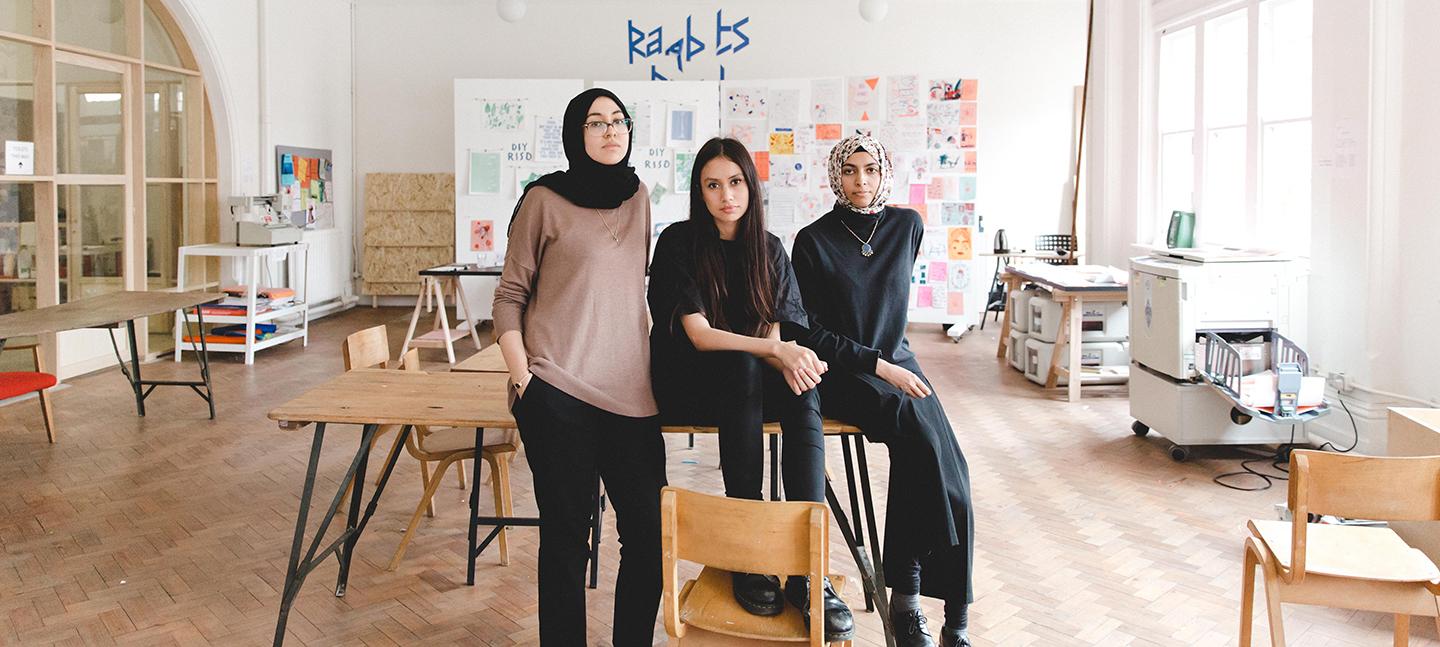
[{"x": 250, "y": 264}]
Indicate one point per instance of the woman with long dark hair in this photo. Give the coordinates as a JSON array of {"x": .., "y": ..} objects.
[
  {"x": 853, "y": 265},
  {"x": 721, "y": 288},
  {"x": 570, "y": 320}
]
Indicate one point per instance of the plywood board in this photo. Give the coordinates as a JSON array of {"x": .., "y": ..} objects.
[{"x": 410, "y": 192}]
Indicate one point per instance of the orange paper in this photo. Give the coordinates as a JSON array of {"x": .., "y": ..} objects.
[
  {"x": 960, "y": 244},
  {"x": 828, "y": 132},
  {"x": 969, "y": 89},
  {"x": 762, "y": 165}
]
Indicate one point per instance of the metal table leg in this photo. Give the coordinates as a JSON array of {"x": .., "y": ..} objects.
[{"x": 499, "y": 522}]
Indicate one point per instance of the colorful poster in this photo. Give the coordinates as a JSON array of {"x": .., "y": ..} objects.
[
  {"x": 862, "y": 100},
  {"x": 960, "y": 244},
  {"x": 784, "y": 108},
  {"x": 902, "y": 97},
  {"x": 944, "y": 90},
  {"x": 943, "y": 124},
  {"x": 681, "y": 133},
  {"x": 524, "y": 175},
  {"x": 917, "y": 193},
  {"x": 684, "y": 166},
  {"x": 503, "y": 115},
  {"x": 484, "y": 172},
  {"x": 827, "y": 99},
  {"x": 967, "y": 214},
  {"x": 945, "y": 160},
  {"x": 788, "y": 171},
  {"x": 965, "y": 189},
  {"x": 482, "y": 235},
  {"x": 762, "y": 165},
  {"x": 967, "y": 137},
  {"x": 782, "y": 142},
  {"x": 829, "y": 132},
  {"x": 970, "y": 166},
  {"x": 745, "y": 103},
  {"x": 745, "y": 132},
  {"x": 549, "y": 142},
  {"x": 950, "y": 214}
]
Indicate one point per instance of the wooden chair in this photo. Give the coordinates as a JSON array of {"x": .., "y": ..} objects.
[
  {"x": 17, "y": 383},
  {"x": 1352, "y": 567},
  {"x": 451, "y": 446},
  {"x": 727, "y": 535}
]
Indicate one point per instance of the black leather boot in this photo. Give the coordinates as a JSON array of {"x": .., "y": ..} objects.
[
  {"x": 757, "y": 594},
  {"x": 839, "y": 621},
  {"x": 953, "y": 638},
  {"x": 910, "y": 629}
]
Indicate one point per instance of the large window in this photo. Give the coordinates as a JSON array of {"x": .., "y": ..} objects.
[
  {"x": 1233, "y": 124},
  {"x": 105, "y": 101}
]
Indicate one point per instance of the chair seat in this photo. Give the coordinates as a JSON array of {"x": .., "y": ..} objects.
[
  {"x": 21, "y": 382},
  {"x": 1359, "y": 552},
  {"x": 453, "y": 439},
  {"x": 708, "y": 603}
]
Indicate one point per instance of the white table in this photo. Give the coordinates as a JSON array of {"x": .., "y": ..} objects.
[
  {"x": 1072, "y": 285},
  {"x": 246, "y": 264}
]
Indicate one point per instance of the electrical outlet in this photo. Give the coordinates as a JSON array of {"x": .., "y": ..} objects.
[{"x": 1341, "y": 382}]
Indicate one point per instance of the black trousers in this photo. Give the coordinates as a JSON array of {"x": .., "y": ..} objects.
[
  {"x": 739, "y": 393},
  {"x": 567, "y": 442},
  {"x": 929, "y": 525}
]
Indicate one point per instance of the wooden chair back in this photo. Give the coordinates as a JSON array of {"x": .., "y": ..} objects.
[
  {"x": 368, "y": 348},
  {"x": 1384, "y": 488},
  {"x": 780, "y": 538}
]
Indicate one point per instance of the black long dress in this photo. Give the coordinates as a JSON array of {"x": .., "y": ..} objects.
[
  {"x": 732, "y": 390},
  {"x": 857, "y": 307}
]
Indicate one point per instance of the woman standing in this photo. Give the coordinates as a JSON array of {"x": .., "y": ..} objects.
[
  {"x": 720, "y": 289},
  {"x": 853, "y": 265},
  {"x": 570, "y": 319}
]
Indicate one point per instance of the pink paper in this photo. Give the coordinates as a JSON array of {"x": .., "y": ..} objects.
[
  {"x": 924, "y": 298},
  {"x": 956, "y": 304},
  {"x": 482, "y": 235},
  {"x": 918, "y": 193}
]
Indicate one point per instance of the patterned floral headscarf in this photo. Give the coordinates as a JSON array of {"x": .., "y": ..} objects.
[{"x": 842, "y": 152}]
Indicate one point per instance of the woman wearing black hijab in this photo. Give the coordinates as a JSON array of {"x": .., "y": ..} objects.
[
  {"x": 570, "y": 318},
  {"x": 853, "y": 266}
]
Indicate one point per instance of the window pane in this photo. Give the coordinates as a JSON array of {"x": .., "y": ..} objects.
[
  {"x": 1285, "y": 55},
  {"x": 158, "y": 46},
  {"x": 1177, "y": 81},
  {"x": 89, "y": 120},
  {"x": 165, "y": 115},
  {"x": 1226, "y": 70},
  {"x": 17, "y": 247},
  {"x": 91, "y": 240},
  {"x": 1222, "y": 217},
  {"x": 164, "y": 228},
  {"x": 17, "y": 17},
  {"x": 94, "y": 24},
  {"x": 1285, "y": 186},
  {"x": 17, "y": 94},
  {"x": 1177, "y": 174}
]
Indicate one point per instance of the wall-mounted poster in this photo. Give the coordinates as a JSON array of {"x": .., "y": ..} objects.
[{"x": 304, "y": 186}]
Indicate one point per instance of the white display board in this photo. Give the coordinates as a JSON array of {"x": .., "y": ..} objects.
[{"x": 506, "y": 130}]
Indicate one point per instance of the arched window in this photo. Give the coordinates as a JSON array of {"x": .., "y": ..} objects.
[{"x": 109, "y": 163}]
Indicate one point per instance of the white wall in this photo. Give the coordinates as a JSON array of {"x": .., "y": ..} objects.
[{"x": 1028, "y": 55}]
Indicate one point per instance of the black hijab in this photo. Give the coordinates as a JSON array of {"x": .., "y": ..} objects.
[{"x": 588, "y": 183}]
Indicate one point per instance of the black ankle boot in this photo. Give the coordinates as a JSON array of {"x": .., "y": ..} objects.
[
  {"x": 839, "y": 621},
  {"x": 953, "y": 638},
  {"x": 758, "y": 594},
  {"x": 910, "y": 629}
]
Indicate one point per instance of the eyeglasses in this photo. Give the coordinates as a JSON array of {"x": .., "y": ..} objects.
[{"x": 599, "y": 128}]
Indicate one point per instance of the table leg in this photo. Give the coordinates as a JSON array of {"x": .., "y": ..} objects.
[
  {"x": 204, "y": 360},
  {"x": 1076, "y": 315},
  {"x": 462, "y": 306},
  {"x": 850, "y": 483},
  {"x": 1005, "y": 322},
  {"x": 351, "y": 517},
  {"x": 774, "y": 467},
  {"x": 1061, "y": 338},
  {"x": 879, "y": 563},
  {"x": 415, "y": 316},
  {"x": 292, "y": 572},
  {"x": 499, "y": 522}
]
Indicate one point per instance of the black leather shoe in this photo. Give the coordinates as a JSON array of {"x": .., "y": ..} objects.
[
  {"x": 839, "y": 621},
  {"x": 953, "y": 638},
  {"x": 910, "y": 630},
  {"x": 758, "y": 594}
]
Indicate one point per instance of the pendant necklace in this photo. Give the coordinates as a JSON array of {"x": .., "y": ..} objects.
[
  {"x": 614, "y": 235},
  {"x": 865, "y": 249}
]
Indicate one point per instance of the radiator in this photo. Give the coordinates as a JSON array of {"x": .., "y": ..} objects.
[{"x": 329, "y": 266}]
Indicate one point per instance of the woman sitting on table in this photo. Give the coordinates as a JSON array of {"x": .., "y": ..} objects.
[
  {"x": 853, "y": 266},
  {"x": 570, "y": 319},
  {"x": 720, "y": 289}
]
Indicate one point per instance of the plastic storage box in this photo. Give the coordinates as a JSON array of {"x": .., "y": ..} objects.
[{"x": 1096, "y": 355}]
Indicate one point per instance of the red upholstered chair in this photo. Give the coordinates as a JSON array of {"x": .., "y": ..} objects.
[{"x": 15, "y": 383}]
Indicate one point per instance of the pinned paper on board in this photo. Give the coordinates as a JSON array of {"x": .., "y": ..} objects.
[
  {"x": 684, "y": 166},
  {"x": 967, "y": 214},
  {"x": 745, "y": 103},
  {"x": 918, "y": 193},
  {"x": 939, "y": 273},
  {"x": 969, "y": 89},
  {"x": 762, "y": 165},
  {"x": 960, "y": 248},
  {"x": 944, "y": 90},
  {"x": 827, "y": 99},
  {"x": 932, "y": 244},
  {"x": 744, "y": 132},
  {"x": 959, "y": 277},
  {"x": 482, "y": 235},
  {"x": 782, "y": 142},
  {"x": 955, "y": 304},
  {"x": 787, "y": 171},
  {"x": 681, "y": 133},
  {"x": 943, "y": 124},
  {"x": 642, "y": 124},
  {"x": 484, "y": 172},
  {"x": 902, "y": 94},
  {"x": 781, "y": 208},
  {"x": 658, "y": 193},
  {"x": 967, "y": 137},
  {"x": 783, "y": 105},
  {"x": 950, "y": 214},
  {"x": 967, "y": 113},
  {"x": 549, "y": 139},
  {"x": 829, "y": 132},
  {"x": 924, "y": 296},
  {"x": 945, "y": 161},
  {"x": 524, "y": 175},
  {"x": 938, "y": 295},
  {"x": 503, "y": 115},
  {"x": 970, "y": 165},
  {"x": 862, "y": 98},
  {"x": 965, "y": 188}
]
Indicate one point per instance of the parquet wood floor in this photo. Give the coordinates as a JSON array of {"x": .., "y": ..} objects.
[{"x": 174, "y": 530}]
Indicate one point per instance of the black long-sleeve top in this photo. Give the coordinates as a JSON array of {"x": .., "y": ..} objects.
[
  {"x": 674, "y": 294},
  {"x": 858, "y": 306}
]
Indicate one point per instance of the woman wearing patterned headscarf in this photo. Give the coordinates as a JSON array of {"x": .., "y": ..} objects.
[{"x": 853, "y": 266}]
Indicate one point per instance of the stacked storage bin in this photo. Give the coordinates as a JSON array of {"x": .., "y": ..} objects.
[
  {"x": 1104, "y": 329},
  {"x": 1018, "y": 306}
]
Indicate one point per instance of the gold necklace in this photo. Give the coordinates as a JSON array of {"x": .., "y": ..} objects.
[
  {"x": 865, "y": 249},
  {"x": 614, "y": 233}
]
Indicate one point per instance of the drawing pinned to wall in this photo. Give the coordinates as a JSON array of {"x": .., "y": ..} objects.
[
  {"x": 955, "y": 304},
  {"x": 788, "y": 171},
  {"x": 658, "y": 193},
  {"x": 943, "y": 124},
  {"x": 862, "y": 98},
  {"x": 780, "y": 210},
  {"x": 827, "y": 99},
  {"x": 970, "y": 165},
  {"x": 965, "y": 188},
  {"x": 961, "y": 248},
  {"x": 503, "y": 114},
  {"x": 812, "y": 205},
  {"x": 804, "y": 140},
  {"x": 950, "y": 214},
  {"x": 943, "y": 187},
  {"x": 959, "y": 276},
  {"x": 969, "y": 90},
  {"x": 933, "y": 245},
  {"x": 642, "y": 127},
  {"x": 967, "y": 214},
  {"x": 745, "y": 132},
  {"x": 681, "y": 133},
  {"x": 782, "y": 142},
  {"x": 944, "y": 90},
  {"x": 482, "y": 235},
  {"x": 524, "y": 175},
  {"x": 968, "y": 110},
  {"x": 762, "y": 165},
  {"x": 945, "y": 160},
  {"x": 924, "y": 296},
  {"x": 829, "y": 132},
  {"x": 549, "y": 139},
  {"x": 684, "y": 164},
  {"x": 484, "y": 173},
  {"x": 906, "y": 135},
  {"x": 783, "y": 104},
  {"x": 745, "y": 103},
  {"x": 917, "y": 193},
  {"x": 902, "y": 97},
  {"x": 967, "y": 137}
]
